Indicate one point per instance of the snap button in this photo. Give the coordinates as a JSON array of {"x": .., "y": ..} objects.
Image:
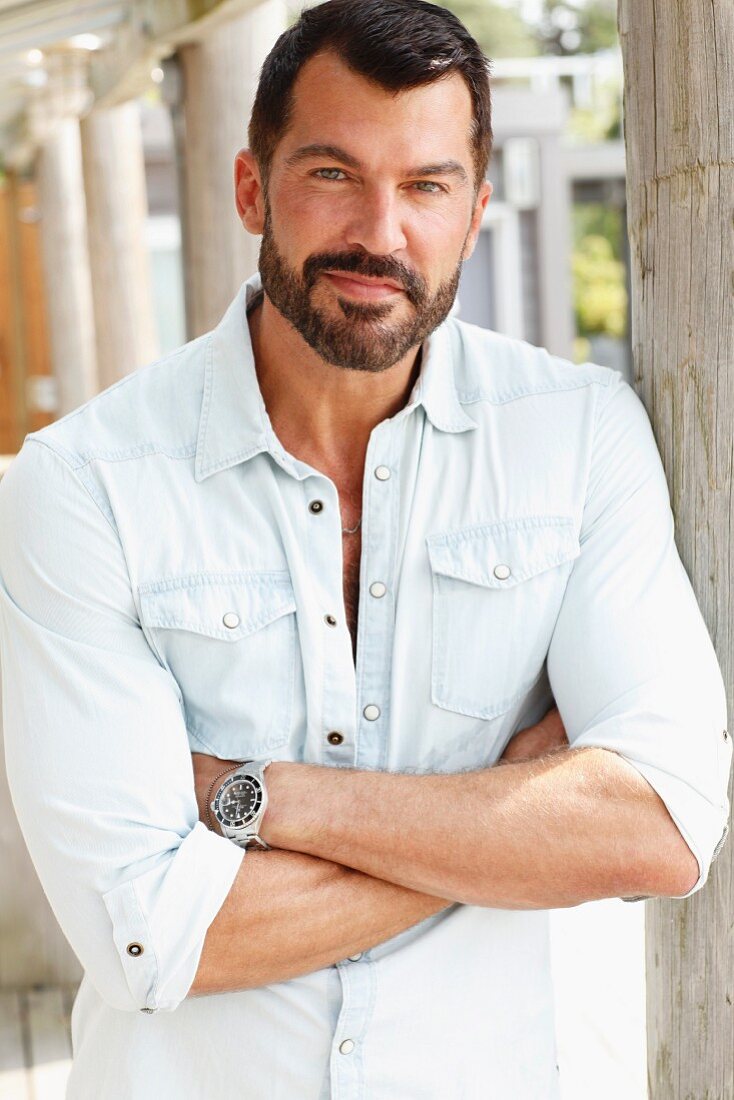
[
  {"x": 726, "y": 735},
  {"x": 355, "y": 958},
  {"x": 329, "y": 620},
  {"x": 502, "y": 572},
  {"x": 316, "y": 506},
  {"x": 231, "y": 619},
  {"x": 135, "y": 949},
  {"x": 371, "y": 712},
  {"x": 335, "y": 738},
  {"x": 377, "y": 588},
  {"x": 346, "y": 1046},
  {"x": 382, "y": 473}
]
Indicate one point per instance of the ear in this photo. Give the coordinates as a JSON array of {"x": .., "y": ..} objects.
[
  {"x": 476, "y": 219},
  {"x": 248, "y": 192}
]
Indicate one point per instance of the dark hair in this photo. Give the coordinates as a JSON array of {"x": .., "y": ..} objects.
[{"x": 397, "y": 43}]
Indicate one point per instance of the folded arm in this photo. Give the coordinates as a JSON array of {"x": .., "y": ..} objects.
[
  {"x": 571, "y": 827},
  {"x": 289, "y": 913},
  {"x": 638, "y": 804},
  {"x": 102, "y": 782}
]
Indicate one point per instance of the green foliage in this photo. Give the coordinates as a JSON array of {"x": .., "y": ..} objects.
[
  {"x": 581, "y": 349},
  {"x": 571, "y": 26},
  {"x": 599, "y": 220},
  {"x": 603, "y": 122},
  {"x": 599, "y": 292},
  {"x": 599, "y": 286},
  {"x": 565, "y": 27},
  {"x": 499, "y": 30},
  {"x": 588, "y": 127}
]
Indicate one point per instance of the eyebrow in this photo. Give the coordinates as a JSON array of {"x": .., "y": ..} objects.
[{"x": 333, "y": 152}]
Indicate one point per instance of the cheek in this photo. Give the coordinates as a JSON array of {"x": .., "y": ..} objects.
[
  {"x": 437, "y": 232},
  {"x": 309, "y": 216},
  {"x": 435, "y": 251}
]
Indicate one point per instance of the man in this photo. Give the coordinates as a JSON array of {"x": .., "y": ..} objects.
[{"x": 347, "y": 533}]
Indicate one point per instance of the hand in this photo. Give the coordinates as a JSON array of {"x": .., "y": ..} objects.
[
  {"x": 205, "y": 768},
  {"x": 545, "y": 736}
]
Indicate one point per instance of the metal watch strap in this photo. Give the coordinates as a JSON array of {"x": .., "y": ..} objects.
[{"x": 253, "y": 840}]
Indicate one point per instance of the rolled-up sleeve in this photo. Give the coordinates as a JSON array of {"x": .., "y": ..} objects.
[
  {"x": 631, "y": 663},
  {"x": 97, "y": 755}
]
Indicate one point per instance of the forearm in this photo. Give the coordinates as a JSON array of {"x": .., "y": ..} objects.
[
  {"x": 574, "y": 826},
  {"x": 289, "y": 914}
]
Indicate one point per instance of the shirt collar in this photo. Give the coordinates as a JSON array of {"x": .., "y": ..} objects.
[{"x": 234, "y": 424}]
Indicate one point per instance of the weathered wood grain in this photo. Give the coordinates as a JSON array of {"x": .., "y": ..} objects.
[{"x": 679, "y": 130}]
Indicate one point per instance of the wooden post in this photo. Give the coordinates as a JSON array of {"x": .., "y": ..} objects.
[
  {"x": 114, "y": 183},
  {"x": 66, "y": 264},
  {"x": 13, "y": 407},
  {"x": 219, "y": 76},
  {"x": 36, "y": 386},
  {"x": 679, "y": 123}
]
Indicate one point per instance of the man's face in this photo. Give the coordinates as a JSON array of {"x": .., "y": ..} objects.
[{"x": 378, "y": 187}]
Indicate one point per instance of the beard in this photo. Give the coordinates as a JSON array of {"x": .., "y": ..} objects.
[{"x": 363, "y": 337}]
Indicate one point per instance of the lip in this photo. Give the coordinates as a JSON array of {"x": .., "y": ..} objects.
[{"x": 361, "y": 287}]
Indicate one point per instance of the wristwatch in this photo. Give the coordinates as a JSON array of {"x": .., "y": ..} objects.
[{"x": 240, "y": 804}]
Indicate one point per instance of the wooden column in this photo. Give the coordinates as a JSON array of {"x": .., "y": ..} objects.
[
  {"x": 13, "y": 410},
  {"x": 219, "y": 79},
  {"x": 66, "y": 264},
  {"x": 114, "y": 183},
  {"x": 679, "y": 127}
]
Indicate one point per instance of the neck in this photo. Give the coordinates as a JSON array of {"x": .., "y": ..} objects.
[{"x": 321, "y": 409}]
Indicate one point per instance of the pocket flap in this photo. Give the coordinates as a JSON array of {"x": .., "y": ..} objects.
[
  {"x": 502, "y": 554},
  {"x": 207, "y": 602}
]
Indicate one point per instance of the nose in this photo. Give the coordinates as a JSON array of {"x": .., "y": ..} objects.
[{"x": 376, "y": 222}]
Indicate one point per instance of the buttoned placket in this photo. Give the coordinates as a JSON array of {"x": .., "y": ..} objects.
[
  {"x": 380, "y": 504},
  {"x": 349, "y": 719}
]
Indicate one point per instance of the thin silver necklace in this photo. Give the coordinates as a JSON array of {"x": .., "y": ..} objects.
[{"x": 351, "y": 530}]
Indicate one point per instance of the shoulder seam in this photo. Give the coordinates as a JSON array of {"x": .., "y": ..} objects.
[
  {"x": 614, "y": 382},
  {"x": 73, "y": 470},
  {"x": 468, "y": 397},
  {"x": 161, "y": 361}
]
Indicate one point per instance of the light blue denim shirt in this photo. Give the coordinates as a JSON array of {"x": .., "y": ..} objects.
[{"x": 164, "y": 588}]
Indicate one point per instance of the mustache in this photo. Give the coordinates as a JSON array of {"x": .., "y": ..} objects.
[{"x": 376, "y": 267}]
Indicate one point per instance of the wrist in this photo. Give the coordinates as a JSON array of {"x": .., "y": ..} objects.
[
  {"x": 282, "y": 779},
  {"x": 214, "y": 786}
]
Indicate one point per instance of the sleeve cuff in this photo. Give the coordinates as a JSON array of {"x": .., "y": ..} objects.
[
  {"x": 690, "y": 810},
  {"x": 160, "y": 919}
]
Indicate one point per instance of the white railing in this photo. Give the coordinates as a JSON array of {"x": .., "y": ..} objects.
[{"x": 587, "y": 73}]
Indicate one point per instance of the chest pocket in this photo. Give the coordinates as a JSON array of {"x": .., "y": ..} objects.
[
  {"x": 497, "y": 591},
  {"x": 230, "y": 641}
]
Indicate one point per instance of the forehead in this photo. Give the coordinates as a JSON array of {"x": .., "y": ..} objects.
[{"x": 333, "y": 104}]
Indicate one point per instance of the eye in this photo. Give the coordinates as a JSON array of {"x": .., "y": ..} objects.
[
  {"x": 436, "y": 187},
  {"x": 319, "y": 170}
]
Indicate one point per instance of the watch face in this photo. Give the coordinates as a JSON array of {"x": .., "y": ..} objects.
[{"x": 240, "y": 802}]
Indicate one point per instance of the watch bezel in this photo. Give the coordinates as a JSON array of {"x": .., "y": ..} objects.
[{"x": 239, "y": 823}]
